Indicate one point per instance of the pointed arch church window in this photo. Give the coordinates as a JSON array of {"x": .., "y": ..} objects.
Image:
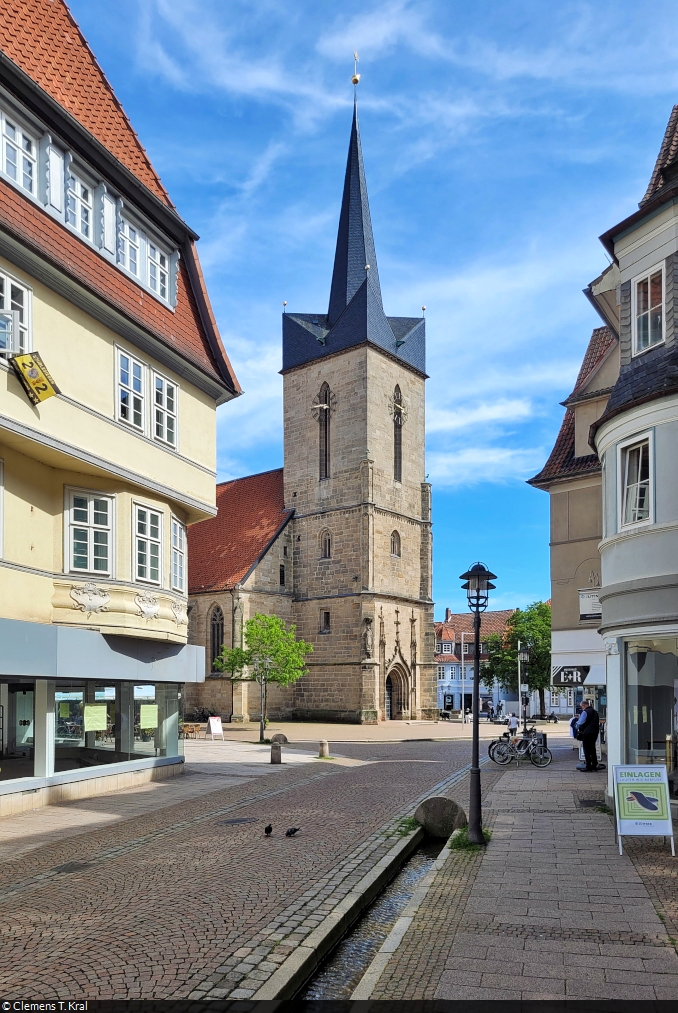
[
  {"x": 326, "y": 545},
  {"x": 395, "y": 543},
  {"x": 397, "y": 435},
  {"x": 216, "y": 635},
  {"x": 324, "y": 431}
]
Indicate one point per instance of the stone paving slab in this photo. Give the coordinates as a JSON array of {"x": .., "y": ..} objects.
[
  {"x": 590, "y": 931},
  {"x": 192, "y": 898}
]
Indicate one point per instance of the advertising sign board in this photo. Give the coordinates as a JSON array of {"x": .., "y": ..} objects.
[
  {"x": 214, "y": 727},
  {"x": 642, "y": 802}
]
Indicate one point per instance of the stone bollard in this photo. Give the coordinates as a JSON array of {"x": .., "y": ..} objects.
[
  {"x": 279, "y": 737},
  {"x": 323, "y": 749},
  {"x": 276, "y": 752},
  {"x": 440, "y": 816}
]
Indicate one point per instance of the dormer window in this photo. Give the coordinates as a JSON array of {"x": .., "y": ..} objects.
[
  {"x": 79, "y": 206},
  {"x": 128, "y": 247},
  {"x": 648, "y": 309},
  {"x": 157, "y": 270},
  {"x": 19, "y": 151}
]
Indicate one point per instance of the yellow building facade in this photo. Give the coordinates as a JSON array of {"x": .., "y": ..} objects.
[{"x": 99, "y": 278}]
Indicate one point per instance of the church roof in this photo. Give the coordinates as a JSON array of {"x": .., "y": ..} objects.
[
  {"x": 223, "y": 550},
  {"x": 356, "y": 314}
]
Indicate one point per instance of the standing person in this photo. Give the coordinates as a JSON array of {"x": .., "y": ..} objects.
[
  {"x": 513, "y": 723},
  {"x": 588, "y": 727}
]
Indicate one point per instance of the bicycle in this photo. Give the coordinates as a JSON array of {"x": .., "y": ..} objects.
[
  {"x": 530, "y": 746},
  {"x": 506, "y": 737}
]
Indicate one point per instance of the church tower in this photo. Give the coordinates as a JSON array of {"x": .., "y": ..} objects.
[{"x": 354, "y": 474}]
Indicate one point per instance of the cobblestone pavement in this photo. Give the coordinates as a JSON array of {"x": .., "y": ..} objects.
[
  {"x": 182, "y": 901},
  {"x": 548, "y": 911}
]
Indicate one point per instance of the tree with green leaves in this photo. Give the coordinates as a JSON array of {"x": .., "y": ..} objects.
[
  {"x": 531, "y": 627},
  {"x": 271, "y": 654}
]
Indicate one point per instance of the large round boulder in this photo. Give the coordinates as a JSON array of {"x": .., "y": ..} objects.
[{"x": 440, "y": 816}]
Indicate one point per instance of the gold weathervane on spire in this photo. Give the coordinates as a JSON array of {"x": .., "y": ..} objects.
[{"x": 356, "y": 75}]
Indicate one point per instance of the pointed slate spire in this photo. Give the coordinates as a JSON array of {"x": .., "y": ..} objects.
[{"x": 355, "y": 242}]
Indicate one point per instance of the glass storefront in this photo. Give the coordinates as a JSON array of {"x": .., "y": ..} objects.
[
  {"x": 651, "y": 693},
  {"x": 94, "y": 724}
]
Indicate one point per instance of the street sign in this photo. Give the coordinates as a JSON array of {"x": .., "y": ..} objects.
[
  {"x": 642, "y": 802},
  {"x": 524, "y": 688},
  {"x": 563, "y": 675},
  {"x": 214, "y": 727}
]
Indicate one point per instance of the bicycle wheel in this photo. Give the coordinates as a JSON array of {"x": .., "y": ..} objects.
[
  {"x": 502, "y": 753},
  {"x": 490, "y": 748},
  {"x": 541, "y": 756}
]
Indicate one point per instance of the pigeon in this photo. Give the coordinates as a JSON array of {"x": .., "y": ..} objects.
[
  {"x": 292, "y": 831},
  {"x": 268, "y": 830}
]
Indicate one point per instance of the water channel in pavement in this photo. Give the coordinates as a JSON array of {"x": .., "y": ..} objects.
[{"x": 338, "y": 976}]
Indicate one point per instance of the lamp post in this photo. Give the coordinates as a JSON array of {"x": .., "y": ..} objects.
[
  {"x": 477, "y": 589},
  {"x": 262, "y": 666},
  {"x": 523, "y": 662}
]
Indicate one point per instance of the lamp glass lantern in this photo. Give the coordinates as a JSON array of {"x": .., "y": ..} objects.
[{"x": 478, "y": 585}]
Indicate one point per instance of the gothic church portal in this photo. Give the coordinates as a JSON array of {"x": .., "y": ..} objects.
[{"x": 339, "y": 540}]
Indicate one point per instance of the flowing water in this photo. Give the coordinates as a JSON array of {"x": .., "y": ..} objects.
[{"x": 338, "y": 976}]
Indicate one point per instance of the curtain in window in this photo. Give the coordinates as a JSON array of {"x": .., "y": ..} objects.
[{"x": 216, "y": 634}]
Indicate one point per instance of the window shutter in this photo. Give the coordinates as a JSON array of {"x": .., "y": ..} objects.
[
  {"x": 109, "y": 224},
  {"x": 56, "y": 179}
]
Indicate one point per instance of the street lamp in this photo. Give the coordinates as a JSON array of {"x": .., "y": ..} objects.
[
  {"x": 477, "y": 589},
  {"x": 262, "y": 666},
  {"x": 523, "y": 662}
]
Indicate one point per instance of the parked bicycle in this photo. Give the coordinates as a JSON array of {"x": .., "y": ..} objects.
[{"x": 531, "y": 746}]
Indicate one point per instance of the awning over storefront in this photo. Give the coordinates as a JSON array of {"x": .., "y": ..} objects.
[
  {"x": 58, "y": 652},
  {"x": 568, "y": 675}
]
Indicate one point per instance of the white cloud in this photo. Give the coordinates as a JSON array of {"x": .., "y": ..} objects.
[
  {"x": 444, "y": 420},
  {"x": 471, "y": 465}
]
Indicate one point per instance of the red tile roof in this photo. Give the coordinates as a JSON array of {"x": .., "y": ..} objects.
[
  {"x": 181, "y": 330},
  {"x": 223, "y": 550},
  {"x": 457, "y": 623},
  {"x": 42, "y": 38},
  {"x": 562, "y": 462}
]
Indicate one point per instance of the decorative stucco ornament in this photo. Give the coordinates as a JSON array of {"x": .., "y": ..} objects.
[
  {"x": 180, "y": 615},
  {"x": 148, "y": 605},
  {"x": 89, "y": 598},
  {"x": 611, "y": 647}
]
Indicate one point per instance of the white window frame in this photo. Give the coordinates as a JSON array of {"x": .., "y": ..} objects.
[
  {"x": 447, "y": 647},
  {"x": 439, "y": 648},
  {"x": 138, "y": 537},
  {"x": 178, "y": 534},
  {"x": 126, "y": 243},
  {"x": 11, "y": 316},
  {"x": 441, "y": 672},
  {"x": 634, "y": 307},
  {"x": 75, "y": 203},
  {"x": 72, "y": 524},
  {"x": 155, "y": 270},
  {"x": 122, "y": 387},
  {"x": 161, "y": 412},
  {"x": 632, "y": 441},
  {"x": 6, "y": 121}
]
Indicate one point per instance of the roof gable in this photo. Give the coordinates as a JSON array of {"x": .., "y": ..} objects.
[
  {"x": 666, "y": 167},
  {"x": 42, "y": 38},
  {"x": 223, "y": 550}
]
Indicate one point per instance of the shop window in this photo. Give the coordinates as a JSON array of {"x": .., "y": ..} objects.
[{"x": 651, "y": 691}]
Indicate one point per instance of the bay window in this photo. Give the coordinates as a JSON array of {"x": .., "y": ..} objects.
[
  {"x": 178, "y": 555},
  {"x": 90, "y": 529},
  {"x": 636, "y": 491},
  {"x": 148, "y": 544}
]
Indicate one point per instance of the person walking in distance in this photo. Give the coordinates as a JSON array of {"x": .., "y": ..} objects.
[
  {"x": 513, "y": 723},
  {"x": 588, "y": 727}
]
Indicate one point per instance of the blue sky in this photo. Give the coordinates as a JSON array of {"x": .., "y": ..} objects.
[{"x": 499, "y": 140}]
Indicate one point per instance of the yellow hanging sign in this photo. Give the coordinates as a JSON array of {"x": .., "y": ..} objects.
[{"x": 34, "y": 376}]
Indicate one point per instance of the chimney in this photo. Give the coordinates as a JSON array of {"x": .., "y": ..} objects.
[{"x": 447, "y": 615}]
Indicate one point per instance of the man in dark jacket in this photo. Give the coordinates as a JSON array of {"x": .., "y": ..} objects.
[{"x": 587, "y": 732}]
